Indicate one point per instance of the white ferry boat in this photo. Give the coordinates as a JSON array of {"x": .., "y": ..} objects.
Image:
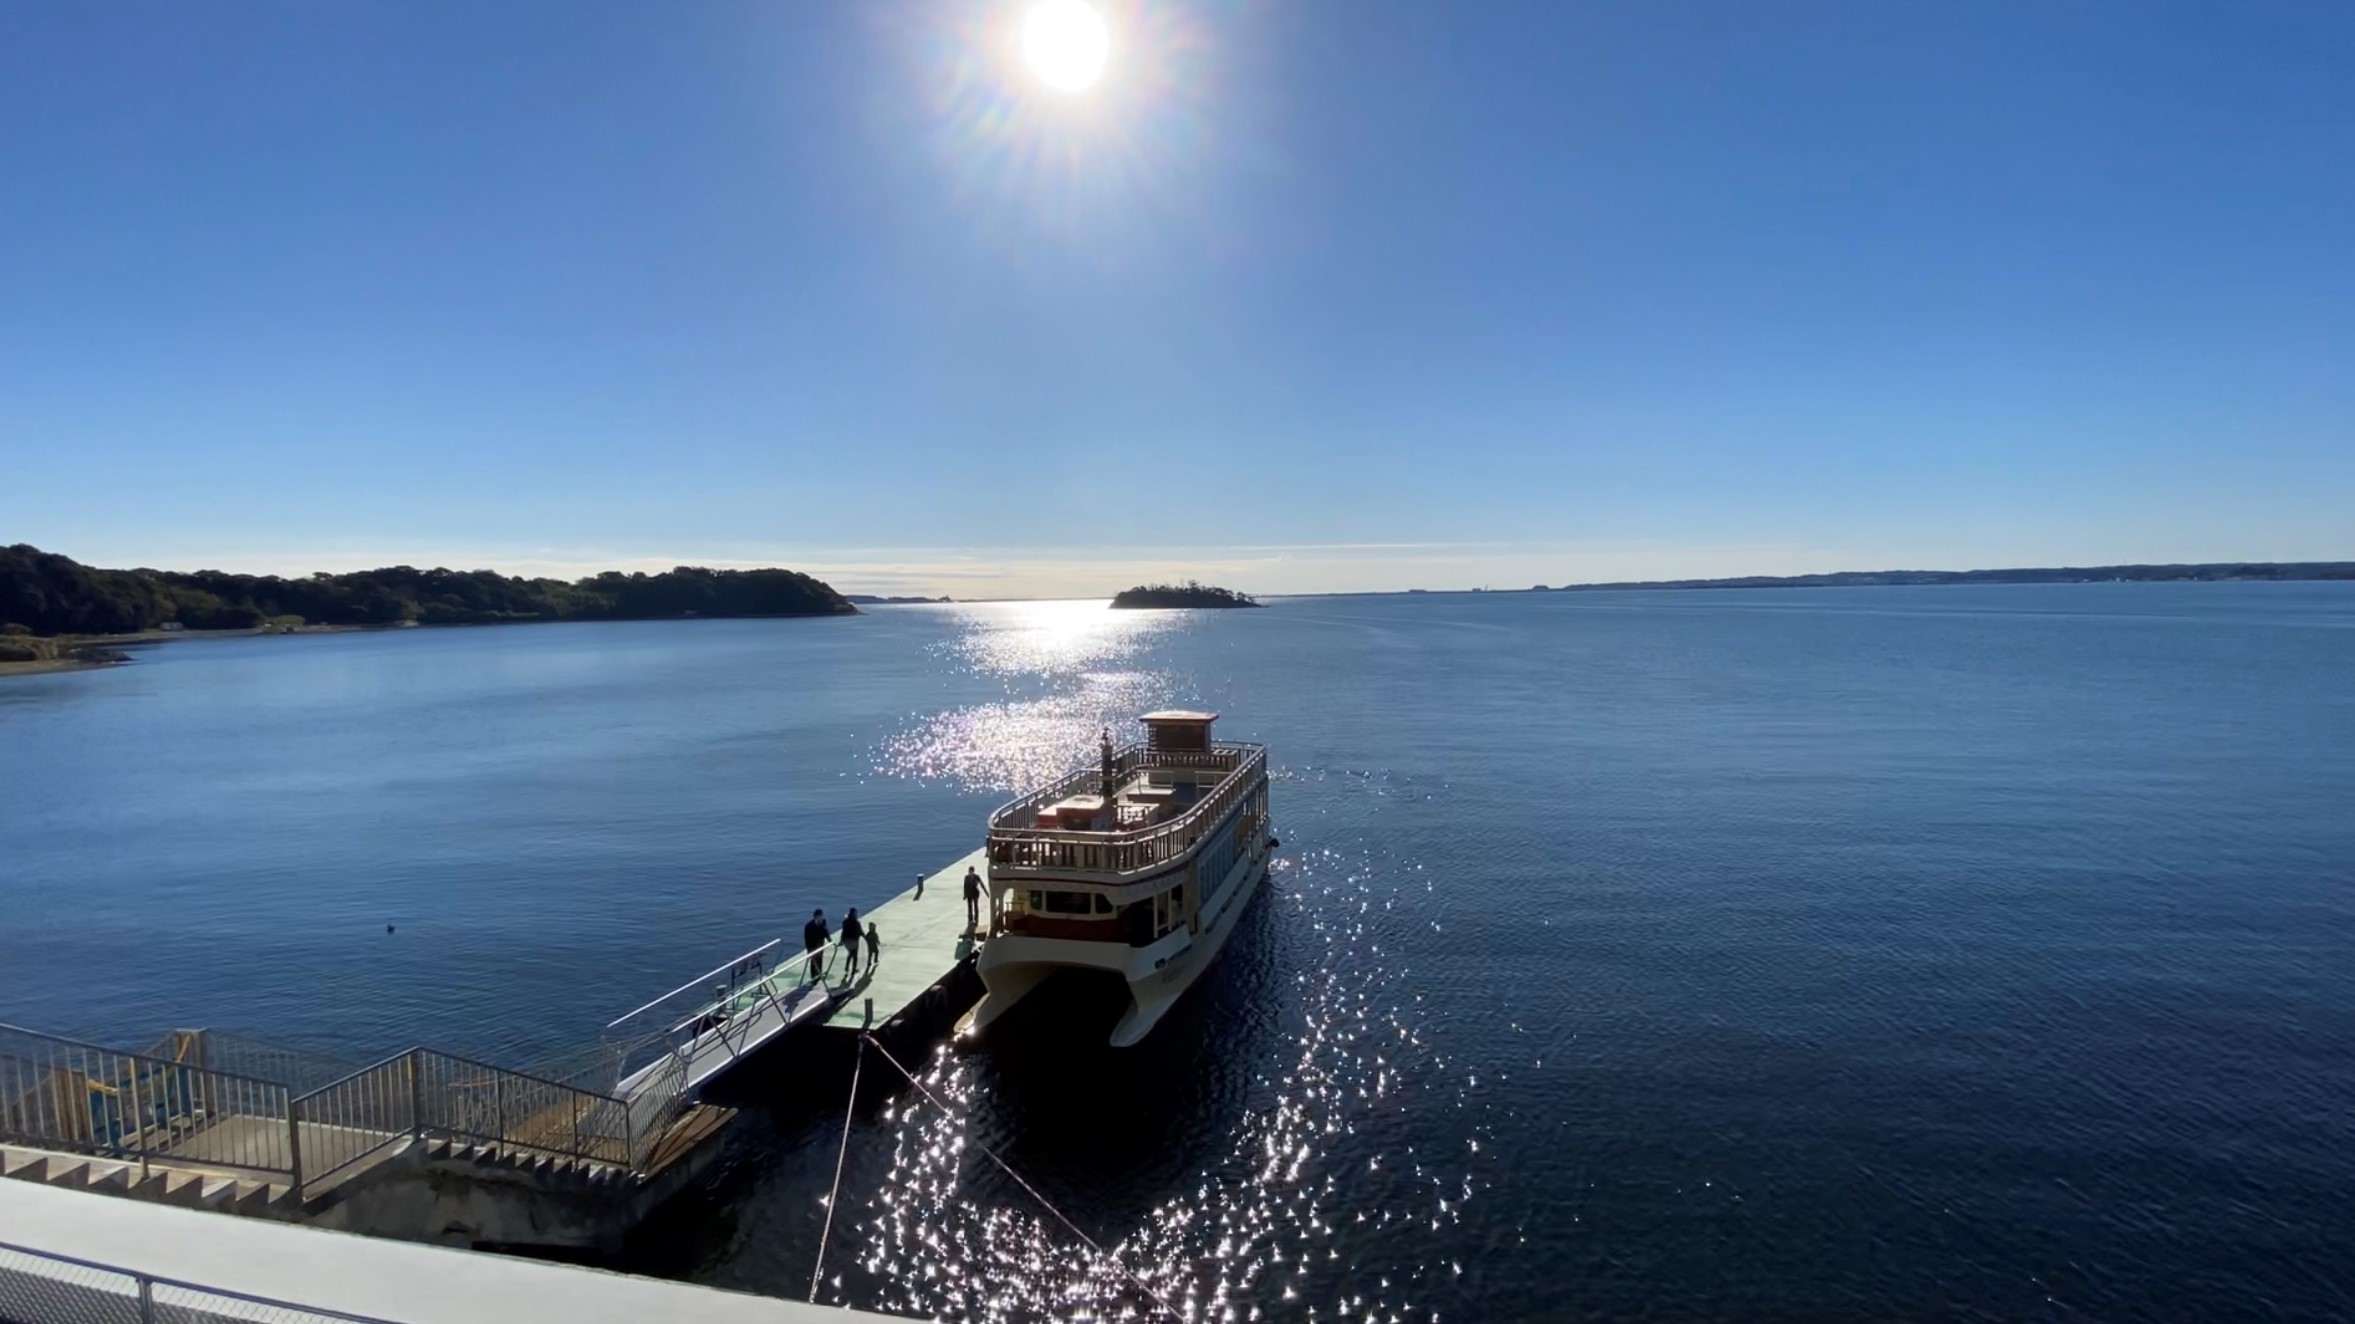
[{"x": 1137, "y": 867}]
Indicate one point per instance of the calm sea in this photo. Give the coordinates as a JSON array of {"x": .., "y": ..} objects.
[{"x": 1966, "y": 953}]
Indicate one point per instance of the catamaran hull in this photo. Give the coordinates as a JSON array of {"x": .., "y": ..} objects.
[{"x": 1157, "y": 975}]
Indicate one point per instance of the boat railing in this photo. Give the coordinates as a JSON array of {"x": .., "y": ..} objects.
[
  {"x": 1016, "y": 848},
  {"x": 1222, "y": 757}
]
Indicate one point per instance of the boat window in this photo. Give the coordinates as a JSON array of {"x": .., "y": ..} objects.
[
  {"x": 1103, "y": 904},
  {"x": 1070, "y": 903}
]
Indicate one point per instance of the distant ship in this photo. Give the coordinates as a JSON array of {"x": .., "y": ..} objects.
[{"x": 1137, "y": 868}]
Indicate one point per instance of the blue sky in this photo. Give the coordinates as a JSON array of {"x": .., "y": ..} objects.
[{"x": 1306, "y": 295}]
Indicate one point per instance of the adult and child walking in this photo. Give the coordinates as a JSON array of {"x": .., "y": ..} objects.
[
  {"x": 857, "y": 936},
  {"x": 860, "y": 936}
]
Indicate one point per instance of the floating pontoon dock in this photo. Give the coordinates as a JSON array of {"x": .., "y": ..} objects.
[
  {"x": 924, "y": 941},
  {"x": 698, "y": 1031}
]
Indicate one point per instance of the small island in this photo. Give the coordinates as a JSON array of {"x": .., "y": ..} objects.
[{"x": 1188, "y": 594}]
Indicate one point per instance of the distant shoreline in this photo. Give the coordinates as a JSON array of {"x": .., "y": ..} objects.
[
  {"x": 93, "y": 652},
  {"x": 2213, "y": 572},
  {"x": 2219, "y": 572}
]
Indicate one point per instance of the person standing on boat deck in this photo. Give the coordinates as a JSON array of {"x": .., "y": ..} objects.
[
  {"x": 852, "y": 936},
  {"x": 814, "y": 936},
  {"x": 972, "y": 899},
  {"x": 874, "y": 947}
]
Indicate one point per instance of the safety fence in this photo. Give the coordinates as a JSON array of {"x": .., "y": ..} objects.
[
  {"x": 62, "y": 1094},
  {"x": 43, "y": 1287}
]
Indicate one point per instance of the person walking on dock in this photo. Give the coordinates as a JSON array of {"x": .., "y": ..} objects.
[
  {"x": 852, "y": 937},
  {"x": 814, "y": 936},
  {"x": 972, "y": 899},
  {"x": 874, "y": 947}
]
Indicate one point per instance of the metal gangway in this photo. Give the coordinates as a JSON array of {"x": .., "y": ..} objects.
[{"x": 692, "y": 1035}]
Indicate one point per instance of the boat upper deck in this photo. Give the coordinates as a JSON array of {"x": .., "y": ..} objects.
[{"x": 1145, "y": 806}]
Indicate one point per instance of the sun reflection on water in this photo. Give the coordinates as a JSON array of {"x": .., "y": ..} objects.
[
  {"x": 1310, "y": 1081},
  {"x": 1314, "y": 1209},
  {"x": 1069, "y": 671}
]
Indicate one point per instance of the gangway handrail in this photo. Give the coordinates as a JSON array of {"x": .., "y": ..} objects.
[
  {"x": 697, "y": 982},
  {"x": 767, "y": 982}
]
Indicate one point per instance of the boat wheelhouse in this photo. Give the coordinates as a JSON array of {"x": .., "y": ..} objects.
[{"x": 1137, "y": 867}]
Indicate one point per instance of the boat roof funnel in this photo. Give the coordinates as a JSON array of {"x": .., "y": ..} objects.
[{"x": 1178, "y": 730}]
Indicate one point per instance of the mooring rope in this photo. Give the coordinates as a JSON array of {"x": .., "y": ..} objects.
[
  {"x": 818, "y": 1269},
  {"x": 1044, "y": 1203}
]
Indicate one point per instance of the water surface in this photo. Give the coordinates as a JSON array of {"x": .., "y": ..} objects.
[{"x": 1956, "y": 952}]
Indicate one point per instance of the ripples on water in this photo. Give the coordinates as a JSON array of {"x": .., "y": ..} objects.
[
  {"x": 1939, "y": 953},
  {"x": 1314, "y": 1181},
  {"x": 1310, "y": 1205},
  {"x": 1066, "y": 663}
]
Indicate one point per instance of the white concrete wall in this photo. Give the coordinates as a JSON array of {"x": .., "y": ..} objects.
[{"x": 390, "y": 1280}]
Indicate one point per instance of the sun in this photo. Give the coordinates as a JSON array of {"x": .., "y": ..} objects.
[{"x": 1065, "y": 42}]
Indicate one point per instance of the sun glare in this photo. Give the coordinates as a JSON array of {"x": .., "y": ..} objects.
[{"x": 1065, "y": 42}]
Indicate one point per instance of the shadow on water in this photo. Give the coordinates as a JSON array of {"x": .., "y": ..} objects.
[
  {"x": 1104, "y": 1130},
  {"x": 1100, "y": 1132}
]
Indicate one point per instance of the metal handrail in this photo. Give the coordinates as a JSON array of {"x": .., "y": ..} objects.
[
  {"x": 65, "y": 1094},
  {"x": 342, "y": 1113},
  {"x": 512, "y": 1074},
  {"x": 143, "y": 1285},
  {"x": 218, "y": 1050},
  {"x": 725, "y": 1005},
  {"x": 60, "y": 1093},
  {"x": 86, "y": 1046},
  {"x": 724, "y": 968}
]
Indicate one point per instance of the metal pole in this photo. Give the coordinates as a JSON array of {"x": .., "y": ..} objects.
[
  {"x": 294, "y": 1148},
  {"x": 499, "y": 1103},
  {"x": 416, "y": 1098},
  {"x": 138, "y": 1122},
  {"x": 576, "y": 1124},
  {"x": 146, "y": 1300}
]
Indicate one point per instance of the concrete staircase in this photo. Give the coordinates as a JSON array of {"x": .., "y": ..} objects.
[
  {"x": 422, "y": 1144},
  {"x": 554, "y": 1171},
  {"x": 189, "y": 1188},
  {"x": 193, "y": 1186}
]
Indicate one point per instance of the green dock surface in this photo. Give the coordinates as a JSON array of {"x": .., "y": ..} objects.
[{"x": 924, "y": 938}]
